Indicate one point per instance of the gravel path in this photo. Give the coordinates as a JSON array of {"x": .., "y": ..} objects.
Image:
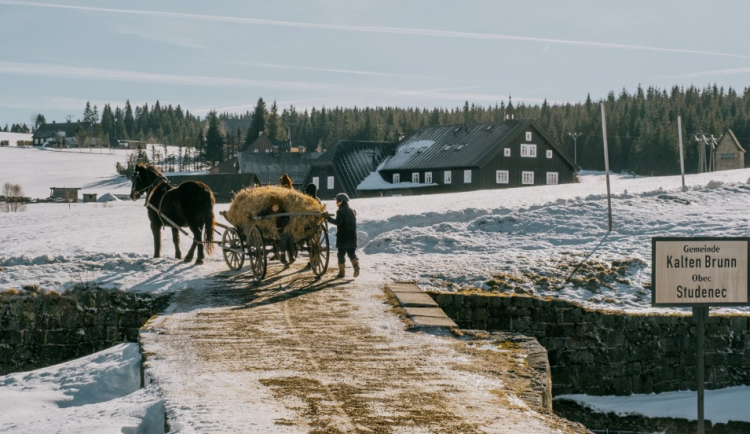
[{"x": 300, "y": 355}]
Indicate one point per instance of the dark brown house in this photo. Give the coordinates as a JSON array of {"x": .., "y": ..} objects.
[
  {"x": 454, "y": 158},
  {"x": 343, "y": 167}
]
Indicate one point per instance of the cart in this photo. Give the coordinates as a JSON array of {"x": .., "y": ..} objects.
[{"x": 255, "y": 243}]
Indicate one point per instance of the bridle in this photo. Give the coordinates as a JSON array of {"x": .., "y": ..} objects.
[{"x": 155, "y": 183}]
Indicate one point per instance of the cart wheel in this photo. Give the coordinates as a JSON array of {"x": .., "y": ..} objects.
[
  {"x": 319, "y": 250},
  {"x": 256, "y": 252},
  {"x": 231, "y": 246}
]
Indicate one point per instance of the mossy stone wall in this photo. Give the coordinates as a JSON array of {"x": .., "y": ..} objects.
[
  {"x": 612, "y": 353},
  {"x": 38, "y": 330}
]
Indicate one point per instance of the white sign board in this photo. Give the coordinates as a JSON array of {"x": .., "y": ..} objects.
[{"x": 700, "y": 271}]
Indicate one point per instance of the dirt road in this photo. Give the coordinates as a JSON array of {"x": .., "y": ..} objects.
[{"x": 300, "y": 355}]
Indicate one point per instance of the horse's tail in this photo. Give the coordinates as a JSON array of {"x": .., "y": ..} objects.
[{"x": 208, "y": 222}]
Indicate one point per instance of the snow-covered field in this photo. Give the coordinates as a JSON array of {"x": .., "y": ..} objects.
[{"x": 444, "y": 242}]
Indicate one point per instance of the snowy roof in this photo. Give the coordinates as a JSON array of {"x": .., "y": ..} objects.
[{"x": 460, "y": 146}]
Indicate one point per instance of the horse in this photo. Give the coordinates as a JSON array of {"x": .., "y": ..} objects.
[{"x": 190, "y": 204}]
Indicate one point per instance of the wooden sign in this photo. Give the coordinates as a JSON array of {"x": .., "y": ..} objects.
[{"x": 701, "y": 271}]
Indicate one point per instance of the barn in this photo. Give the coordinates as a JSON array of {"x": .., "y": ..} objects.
[
  {"x": 466, "y": 157},
  {"x": 728, "y": 153}
]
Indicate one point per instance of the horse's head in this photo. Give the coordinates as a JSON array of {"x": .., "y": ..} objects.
[{"x": 143, "y": 179}]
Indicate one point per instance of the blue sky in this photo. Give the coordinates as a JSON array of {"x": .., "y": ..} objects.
[{"x": 225, "y": 54}]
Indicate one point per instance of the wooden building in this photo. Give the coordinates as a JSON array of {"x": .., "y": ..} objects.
[
  {"x": 89, "y": 197},
  {"x": 64, "y": 193},
  {"x": 342, "y": 168},
  {"x": 728, "y": 154},
  {"x": 62, "y": 134},
  {"x": 224, "y": 185},
  {"x": 271, "y": 166},
  {"x": 454, "y": 158}
]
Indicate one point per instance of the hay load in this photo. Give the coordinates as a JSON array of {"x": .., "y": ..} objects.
[{"x": 247, "y": 203}]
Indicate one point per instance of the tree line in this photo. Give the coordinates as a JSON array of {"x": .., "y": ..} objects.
[{"x": 641, "y": 126}]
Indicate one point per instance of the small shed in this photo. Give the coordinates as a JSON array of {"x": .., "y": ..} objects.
[
  {"x": 64, "y": 193},
  {"x": 89, "y": 197},
  {"x": 728, "y": 153}
]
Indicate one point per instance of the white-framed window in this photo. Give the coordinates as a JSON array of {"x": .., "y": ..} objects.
[
  {"x": 549, "y": 153},
  {"x": 528, "y": 151},
  {"x": 428, "y": 177},
  {"x": 268, "y": 151},
  {"x": 255, "y": 151},
  {"x": 396, "y": 178},
  {"x": 316, "y": 182},
  {"x": 330, "y": 182},
  {"x": 528, "y": 136},
  {"x": 552, "y": 177},
  {"x": 415, "y": 177},
  {"x": 527, "y": 178},
  {"x": 447, "y": 177},
  {"x": 507, "y": 152},
  {"x": 501, "y": 176},
  {"x": 467, "y": 176}
]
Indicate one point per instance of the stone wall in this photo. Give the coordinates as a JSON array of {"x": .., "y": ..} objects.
[
  {"x": 38, "y": 330},
  {"x": 611, "y": 353}
]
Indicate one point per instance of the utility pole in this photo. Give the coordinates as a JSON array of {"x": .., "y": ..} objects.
[{"x": 575, "y": 137}]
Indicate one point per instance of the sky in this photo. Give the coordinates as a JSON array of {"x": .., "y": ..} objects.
[{"x": 224, "y": 55}]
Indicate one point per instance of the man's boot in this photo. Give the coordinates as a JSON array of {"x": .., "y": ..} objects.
[
  {"x": 355, "y": 264},
  {"x": 342, "y": 271}
]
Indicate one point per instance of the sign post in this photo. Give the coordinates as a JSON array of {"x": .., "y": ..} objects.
[{"x": 700, "y": 272}]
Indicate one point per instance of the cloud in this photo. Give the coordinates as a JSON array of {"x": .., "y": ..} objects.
[
  {"x": 733, "y": 71},
  {"x": 62, "y": 71},
  {"x": 339, "y": 71},
  {"x": 372, "y": 29}
]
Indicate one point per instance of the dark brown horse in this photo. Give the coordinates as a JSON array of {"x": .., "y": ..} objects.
[{"x": 191, "y": 204}]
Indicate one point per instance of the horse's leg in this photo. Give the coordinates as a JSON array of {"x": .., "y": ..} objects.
[
  {"x": 176, "y": 241},
  {"x": 156, "y": 231},
  {"x": 198, "y": 236},
  {"x": 191, "y": 252}
]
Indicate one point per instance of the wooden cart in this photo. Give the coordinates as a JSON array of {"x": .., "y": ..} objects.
[{"x": 256, "y": 243}]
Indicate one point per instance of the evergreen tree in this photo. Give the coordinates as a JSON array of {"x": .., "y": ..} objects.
[{"x": 258, "y": 122}]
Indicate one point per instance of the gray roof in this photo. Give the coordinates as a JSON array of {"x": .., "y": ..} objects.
[
  {"x": 355, "y": 160},
  {"x": 271, "y": 166},
  {"x": 223, "y": 185},
  {"x": 461, "y": 145},
  {"x": 46, "y": 130}
]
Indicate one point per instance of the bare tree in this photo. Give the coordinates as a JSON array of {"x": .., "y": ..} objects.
[{"x": 14, "y": 201}]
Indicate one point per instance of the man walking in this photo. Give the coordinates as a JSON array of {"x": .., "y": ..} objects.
[{"x": 346, "y": 234}]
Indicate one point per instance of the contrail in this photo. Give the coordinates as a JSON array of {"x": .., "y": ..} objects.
[{"x": 373, "y": 29}]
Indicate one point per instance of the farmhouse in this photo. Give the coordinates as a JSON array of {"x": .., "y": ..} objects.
[
  {"x": 728, "y": 153},
  {"x": 454, "y": 158},
  {"x": 55, "y": 134},
  {"x": 343, "y": 167}
]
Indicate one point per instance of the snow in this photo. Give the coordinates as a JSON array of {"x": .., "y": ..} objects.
[
  {"x": 441, "y": 242},
  {"x": 99, "y": 393},
  {"x": 406, "y": 152},
  {"x": 721, "y": 406},
  {"x": 14, "y": 137},
  {"x": 374, "y": 181}
]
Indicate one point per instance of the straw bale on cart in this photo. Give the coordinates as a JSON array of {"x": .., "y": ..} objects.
[{"x": 247, "y": 203}]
